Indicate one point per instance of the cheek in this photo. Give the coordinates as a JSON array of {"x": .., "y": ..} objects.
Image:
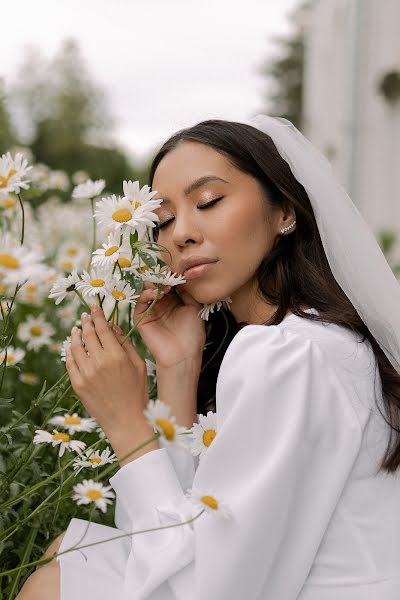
[{"x": 244, "y": 236}]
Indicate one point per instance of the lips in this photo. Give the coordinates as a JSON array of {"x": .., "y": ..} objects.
[{"x": 194, "y": 261}]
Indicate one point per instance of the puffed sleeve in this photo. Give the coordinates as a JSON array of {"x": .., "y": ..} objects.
[{"x": 287, "y": 439}]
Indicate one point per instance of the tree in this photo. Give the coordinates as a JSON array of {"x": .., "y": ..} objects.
[
  {"x": 67, "y": 116},
  {"x": 285, "y": 73}
]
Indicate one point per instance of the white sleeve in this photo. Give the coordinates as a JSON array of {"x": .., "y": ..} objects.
[
  {"x": 185, "y": 465},
  {"x": 287, "y": 439}
]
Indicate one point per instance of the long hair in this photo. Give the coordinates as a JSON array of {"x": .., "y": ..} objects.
[{"x": 295, "y": 272}]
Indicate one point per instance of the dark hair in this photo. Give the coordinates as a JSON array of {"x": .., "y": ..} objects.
[{"x": 295, "y": 273}]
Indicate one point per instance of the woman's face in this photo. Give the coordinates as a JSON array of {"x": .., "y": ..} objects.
[{"x": 237, "y": 231}]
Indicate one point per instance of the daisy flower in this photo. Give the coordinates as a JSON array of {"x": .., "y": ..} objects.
[
  {"x": 14, "y": 355},
  {"x": 101, "y": 433},
  {"x": 135, "y": 195},
  {"x": 74, "y": 423},
  {"x": 29, "y": 378},
  {"x": 121, "y": 291},
  {"x": 95, "y": 282},
  {"x": 204, "y": 313},
  {"x": 159, "y": 274},
  {"x": 158, "y": 415},
  {"x": 58, "y": 180},
  {"x": 17, "y": 263},
  {"x": 80, "y": 177},
  {"x": 63, "y": 286},
  {"x": 56, "y": 438},
  {"x": 89, "y": 189},
  {"x": 36, "y": 332},
  {"x": 204, "y": 433},
  {"x": 8, "y": 202},
  {"x": 13, "y": 172},
  {"x": 150, "y": 367},
  {"x": 119, "y": 214},
  {"x": 93, "y": 491},
  {"x": 111, "y": 251},
  {"x": 208, "y": 501},
  {"x": 93, "y": 458},
  {"x": 64, "y": 346}
]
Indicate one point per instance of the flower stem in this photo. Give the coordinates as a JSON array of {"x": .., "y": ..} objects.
[
  {"x": 94, "y": 233},
  {"x": 43, "y": 561},
  {"x": 82, "y": 300},
  {"x": 146, "y": 312},
  {"x": 23, "y": 219}
]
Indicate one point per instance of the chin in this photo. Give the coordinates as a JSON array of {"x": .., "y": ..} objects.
[{"x": 206, "y": 296}]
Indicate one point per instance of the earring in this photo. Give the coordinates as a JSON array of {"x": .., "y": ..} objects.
[{"x": 285, "y": 229}]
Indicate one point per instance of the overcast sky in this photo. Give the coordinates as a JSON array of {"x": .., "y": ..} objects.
[{"x": 164, "y": 64}]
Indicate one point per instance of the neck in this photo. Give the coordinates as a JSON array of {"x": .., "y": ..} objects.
[{"x": 247, "y": 306}]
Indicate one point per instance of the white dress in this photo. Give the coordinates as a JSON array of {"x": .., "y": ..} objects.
[{"x": 295, "y": 458}]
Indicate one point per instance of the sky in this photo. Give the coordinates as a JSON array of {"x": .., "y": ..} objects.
[{"x": 163, "y": 64}]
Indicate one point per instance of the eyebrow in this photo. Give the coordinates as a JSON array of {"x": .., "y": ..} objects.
[{"x": 195, "y": 185}]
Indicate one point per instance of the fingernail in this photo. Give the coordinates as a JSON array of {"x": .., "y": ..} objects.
[
  {"x": 74, "y": 329},
  {"x": 84, "y": 315},
  {"x": 94, "y": 307},
  {"x": 117, "y": 328}
]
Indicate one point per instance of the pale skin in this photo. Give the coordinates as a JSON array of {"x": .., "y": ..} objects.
[{"x": 239, "y": 230}]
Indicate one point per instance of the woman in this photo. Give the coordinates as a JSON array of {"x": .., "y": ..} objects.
[{"x": 307, "y": 450}]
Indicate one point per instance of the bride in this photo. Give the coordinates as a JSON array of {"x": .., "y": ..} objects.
[{"x": 303, "y": 473}]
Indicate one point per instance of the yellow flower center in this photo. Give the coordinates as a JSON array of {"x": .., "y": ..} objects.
[
  {"x": 72, "y": 251},
  {"x": 111, "y": 250},
  {"x": 97, "y": 282},
  {"x": 3, "y": 288},
  {"x": 36, "y": 330},
  {"x": 29, "y": 377},
  {"x": 118, "y": 295},
  {"x": 67, "y": 265},
  {"x": 72, "y": 420},
  {"x": 144, "y": 268},
  {"x": 9, "y": 261},
  {"x": 137, "y": 204},
  {"x": 64, "y": 437},
  {"x": 10, "y": 358},
  {"x": 8, "y": 202},
  {"x": 167, "y": 428},
  {"x": 124, "y": 262},
  {"x": 208, "y": 436},
  {"x": 96, "y": 460},
  {"x": 122, "y": 215},
  {"x": 94, "y": 494},
  {"x": 4, "y": 180},
  {"x": 210, "y": 501},
  {"x": 31, "y": 287}
]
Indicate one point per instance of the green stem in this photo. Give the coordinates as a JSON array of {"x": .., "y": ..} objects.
[
  {"x": 23, "y": 219},
  {"x": 25, "y": 557},
  {"x": 117, "y": 537},
  {"x": 146, "y": 312},
  {"x": 82, "y": 300}
]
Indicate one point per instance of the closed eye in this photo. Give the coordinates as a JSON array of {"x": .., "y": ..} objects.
[{"x": 208, "y": 205}]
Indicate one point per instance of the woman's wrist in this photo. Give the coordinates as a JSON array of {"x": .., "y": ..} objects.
[
  {"x": 123, "y": 442},
  {"x": 177, "y": 387}
]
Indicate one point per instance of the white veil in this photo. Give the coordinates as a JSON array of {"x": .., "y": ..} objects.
[{"x": 357, "y": 262}]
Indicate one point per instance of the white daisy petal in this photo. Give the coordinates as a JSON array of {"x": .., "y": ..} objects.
[
  {"x": 209, "y": 501},
  {"x": 158, "y": 415},
  {"x": 93, "y": 491}
]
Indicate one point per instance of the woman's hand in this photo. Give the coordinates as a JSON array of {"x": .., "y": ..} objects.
[
  {"x": 110, "y": 379},
  {"x": 173, "y": 332}
]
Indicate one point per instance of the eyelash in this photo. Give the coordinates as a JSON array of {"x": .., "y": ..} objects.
[{"x": 209, "y": 204}]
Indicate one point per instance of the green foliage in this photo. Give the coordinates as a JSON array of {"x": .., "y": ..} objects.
[{"x": 285, "y": 72}]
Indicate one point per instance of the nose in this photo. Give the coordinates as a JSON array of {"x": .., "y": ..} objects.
[{"x": 186, "y": 228}]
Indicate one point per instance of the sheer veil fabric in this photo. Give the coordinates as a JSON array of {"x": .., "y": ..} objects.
[{"x": 354, "y": 255}]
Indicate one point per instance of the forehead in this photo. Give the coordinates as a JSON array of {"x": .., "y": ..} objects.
[{"x": 186, "y": 163}]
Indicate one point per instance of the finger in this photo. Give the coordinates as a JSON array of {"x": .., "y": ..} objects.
[
  {"x": 145, "y": 298},
  {"x": 103, "y": 329},
  {"x": 89, "y": 335},
  {"x": 128, "y": 346},
  {"x": 78, "y": 352}
]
